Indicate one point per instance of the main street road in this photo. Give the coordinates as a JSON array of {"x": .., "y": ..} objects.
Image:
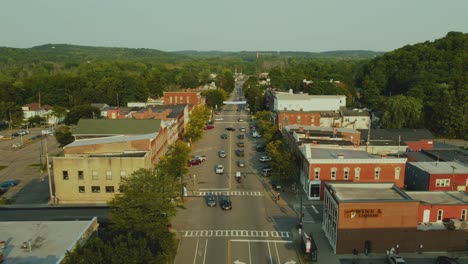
[{"x": 257, "y": 229}]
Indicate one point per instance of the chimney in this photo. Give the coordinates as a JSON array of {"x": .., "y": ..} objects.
[{"x": 340, "y": 156}]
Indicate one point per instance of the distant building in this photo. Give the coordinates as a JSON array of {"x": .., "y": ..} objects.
[
  {"x": 436, "y": 176},
  {"x": 36, "y": 109},
  {"x": 189, "y": 97}
]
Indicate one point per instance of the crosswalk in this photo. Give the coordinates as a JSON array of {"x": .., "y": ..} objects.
[
  {"x": 237, "y": 233},
  {"x": 307, "y": 217},
  {"x": 231, "y": 193}
]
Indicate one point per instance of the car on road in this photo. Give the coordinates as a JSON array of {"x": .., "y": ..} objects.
[
  {"x": 240, "y": 144},
  {"x": 266, "y": 170},
  {"x": 219, "y": 169},
  {"x": 201, "y": 158},
  {"x": 260, "y": 148},
  {"x": 9, "y": 183},
  {"x": 240, "y": 152},
  {"x": 6, "y": 138},
  {"x": 255, "y": 134},
  {"x": 219, "y": 119},
  {"x": 194, "y": 162},
  {"x": 395, "y": 259},
  {"x": 36, "y": 137},
  {"x": 446, "y": 260},
  {"x": 242, "y": 129},
  {"x": 224, "y": 136},
  {"x": 211, "y": 200},
  {"x": 230, "y": 129},
  {"x": 241, "y": 163},
  {"x": 240, "y": 119},
  {"x": 209, "y": 127},
  {"x": 264, "y": 159},
  {"x": 225, "y": 203},
  {"x": 222, "y": 154},
  {"x": 16, "y": 134},
  {"x": 240, "y": 136}
]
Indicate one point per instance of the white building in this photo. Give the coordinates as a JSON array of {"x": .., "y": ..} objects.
[{"x": 306, "y": 102}]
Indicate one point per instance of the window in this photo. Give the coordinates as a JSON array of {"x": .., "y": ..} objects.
[
  {"x": 333, "y": 173},
  {"x": 376, "y": 173},
  {"x": 187, "y": 98},
  {"x": 440, "y": 214},
  {"x": 346, "y": 173},
  {"x": 312, "y": 120},
  {"x": 181, "y": 99},
  {"x": 65, "y": 175},
  {"x": 80, "y": 175},
  {"x": 397, "y": 173},
  {"x": 317, "y": 174},
  {"x": 443, "y": 183},
  {"x": 357, "y": 173},
  {"x": 109, "y": 189},
  {"x": 463, "y": 215},
  {"x": 95, "y": 175},
  {"x": 298, "y": 119},
  {"x": 81, "y": 189},
  {"x": 96, "y": 189},
  {"x": 108, "y": 175},
  {"x": 170, "y": 100},
  {"x": 123, "y": 174}
]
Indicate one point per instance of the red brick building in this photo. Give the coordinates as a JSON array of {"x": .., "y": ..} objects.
[
  {"x": 176, "y": 113},
  {"x": 320, "y": 165},
  {"x": 435, "y": 206},
  {"x": 189, "y": 96},
  {"x": 436, "y": 176},
  {"x": 300, "y": 118}
]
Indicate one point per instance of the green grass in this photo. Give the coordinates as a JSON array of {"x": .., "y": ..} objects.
[{"x": 2, "y": 167}]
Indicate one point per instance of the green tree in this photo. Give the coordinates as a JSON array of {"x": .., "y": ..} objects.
[
  {"x": 215, "y": 98},
  {"x": 64, "y": 135},
  {"x": 402, "y": 111},
  {"x": 36, "y": 120},
  {"x": 198, "y": 118},
  {"x": 283, "y": 164},
  {"x": 81, "y": 111}
]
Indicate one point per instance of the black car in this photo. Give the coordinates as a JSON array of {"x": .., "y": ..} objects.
[
  {"x": 240, "y": 152},
  {"x": 16, "y": 134},
  {"x": 240, "y": 136},
  {"x": 230, "y": 129},
  {"x": 225, "y": 203},
  {"x": 446, "y": 260},
  {"x": 240, "y": 144},
  {"x": 211, "y": 200},
  {"x": 224, "y": 136}
]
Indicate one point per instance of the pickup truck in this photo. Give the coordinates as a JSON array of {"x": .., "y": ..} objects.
[{"x": 201, "y": 158}]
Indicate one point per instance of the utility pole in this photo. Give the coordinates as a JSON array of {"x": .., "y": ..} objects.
[{"x": 51, "y": 195}]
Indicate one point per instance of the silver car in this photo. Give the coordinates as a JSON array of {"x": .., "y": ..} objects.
[{"x": 222, "y": 154}]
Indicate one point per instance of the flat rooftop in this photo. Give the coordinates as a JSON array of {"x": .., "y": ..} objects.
[
  {"x": 111, "y": 139},
  {"x": 50, "y": 240},
  {"x": 443, "y": 167},
  {"x": 440, "y": 197},
  {"x": 350, "y": 191}
]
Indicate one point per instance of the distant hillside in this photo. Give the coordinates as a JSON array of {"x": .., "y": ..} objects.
[
  {"x": 64, "y": 53},
  {"x": 349, "y": 54}
]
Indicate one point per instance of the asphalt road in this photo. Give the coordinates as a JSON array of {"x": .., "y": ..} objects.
[{"x": 257, "y": 229}]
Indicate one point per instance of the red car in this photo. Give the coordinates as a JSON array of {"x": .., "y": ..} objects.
[
  {"x": 194, "y": 162},
  {"x": 209, "y": 127}
]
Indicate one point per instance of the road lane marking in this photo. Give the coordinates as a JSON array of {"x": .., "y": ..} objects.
[
  {"x": 236, "y": 233},
  {"x": 261, "y": 241},
  {"x": 277, "y": 254},
  {"x": 269, "y": 253},
  {"x": 204, "y": 256},
  {"x": 230, "y": 193},
  {"x": 196, "y": 251}
]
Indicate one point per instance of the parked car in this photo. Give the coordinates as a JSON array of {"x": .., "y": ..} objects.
[
  {"x": 16, "y": 134},
  {"x": 222, "y": 154},
  {"x": 225, "y": 203},
  {"x": 219, "y": 169},
  {"x": 240, "y": 119},
  {"x": 194, "y": 162},
  {"x": 202, "y": 158},
  {"x": 230, "y": 129},
  {"x": 240, "y": 144},
  {"x": 260, "y": 148},
  {"x": 219, "y": 119},
  {"x": 240, "y": 152},
  {"x": 3, "y": 190},
  {"x": 209, "y": 127},
  {"x": 255, "y": 134},
  {"x": 16, "y": 145},
  {"x": 446, "y": 260},
  {"x": 9, "y": 183},
  {"x": 240, "y": 136},
  {"x": 6, "y": 138},
  {"x": 264, "y": 159},
  {"x": 211, "y": 200},
  {"x": 395, "y": 259},
  {"x": 36, "y": 137},
  {"x": 48, "y": 132},
  {"x": 266, "y": 170},
  {"x": 24, "y": 132},
  {"x": 241, "y": 163},
  {"x": 242, "y": 129},
  {"x": 224, "y": 136}
]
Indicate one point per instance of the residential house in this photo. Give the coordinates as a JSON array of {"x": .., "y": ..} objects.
[
  {"x": 45, "y": 111},
  {"x": 102, "y": 108}
]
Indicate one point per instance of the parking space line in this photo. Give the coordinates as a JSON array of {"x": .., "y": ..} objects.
[{"x": 196, "y": 251}]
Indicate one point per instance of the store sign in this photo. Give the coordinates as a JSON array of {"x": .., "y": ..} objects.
[{"x": 363, "y": 213}]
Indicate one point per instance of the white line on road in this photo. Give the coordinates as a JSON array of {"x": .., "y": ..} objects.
[
  {"x": 315, "y": 209},
  {"x": 204, "y": 256},
  {"x": 220, "y": 189},
  {"x": 261, "y": 241},
  {"x": 277, "y": 254},
  {"x": 269, "y": 252},
  {"x": 196, "y": 251},
  {"x": 250, "y": 254}
]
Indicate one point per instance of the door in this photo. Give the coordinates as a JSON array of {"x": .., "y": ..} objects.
[{"x": 426, "y": 216}]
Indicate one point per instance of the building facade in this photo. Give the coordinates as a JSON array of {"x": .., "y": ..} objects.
[
  {"x": 436, "y": 176},
  {"x": 189, "y": 97}
]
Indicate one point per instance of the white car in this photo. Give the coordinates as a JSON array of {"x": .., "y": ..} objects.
[
  {"x": 242, "y": 129},
  {"x": 264, "y": 158},
  {"x": 219, "y": 119},
  {"x": 395, "y": 259},
  {"x": 255, "y": 134},
  {"x": 219, "y": 169}
]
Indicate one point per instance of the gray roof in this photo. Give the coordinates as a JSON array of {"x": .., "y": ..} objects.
[
  {"x": 351, "y": 112},
  {"x": 50, "y": 240},
  {"x": 440, "y": 197},
  {"x": 99, "y": 127},
  {"x": 321, "y": 129},
  {"x": 394, "y": 134},
  {"x": 327, "y": 153},
  {"x": 455, "y": 154},
  {"x": 112, "y": 139},
  {"x": 444, "y": 167},
  {"x": 282, "y": 96},
  {"x": 350, "y": 191}
]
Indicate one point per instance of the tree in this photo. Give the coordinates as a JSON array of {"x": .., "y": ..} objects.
[
  {"x": 36, "y": 120},
  {"x": 283, "y": 163},
  {"x": 11, "y": 112},
  {"x": 215, "y": 98},
  {"x": 402, "y": 111},
  {"x": 198, "y": 118},
  {"x": 81, "y": 111},
  {"x": 64, "y": 135},
  {"x": 266, "y": 128},
  {"x": 59, "y": 113}
]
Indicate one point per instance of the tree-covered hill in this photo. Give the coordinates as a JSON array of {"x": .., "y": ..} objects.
[{"x": 425, "y": 84}]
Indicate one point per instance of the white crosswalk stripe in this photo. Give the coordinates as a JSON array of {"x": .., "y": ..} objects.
[
  {"x": 231, "y": 193},
  {"x": 307, "y": 218},
  {"x": 237, "y": 233}
]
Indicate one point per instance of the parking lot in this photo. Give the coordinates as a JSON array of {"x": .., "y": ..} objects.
[{"x": 24, "y": 164}]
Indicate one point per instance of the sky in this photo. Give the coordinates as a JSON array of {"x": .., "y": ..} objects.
[{"x": 241, "y": 25}]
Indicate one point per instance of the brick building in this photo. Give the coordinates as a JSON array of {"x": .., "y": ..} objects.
[
  {"x": 435, "y": 206},
  {"x": 436, "y": 176},
  {"x": 190, "y": 97}
]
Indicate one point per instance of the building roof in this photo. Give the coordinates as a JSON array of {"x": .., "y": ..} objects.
[
  {"x": 176, "y": 109},
  {"x": 350, "y": 191},
  {"x": 396, "y": 134},
  {"x": 455, "y": 154},
  {"x": 302, "y": 97},
  {"x": 112, "y": 139},
  {"x": 445, "y": 167},
  {"x": 440, "y": 197},
  {"x": 37, "y": 106},
  {"x": 319, "y": 129},
  {"x": 50, "y": 240},
  {"x": 93, "y": 127},
  {"x": 316, "y": 154},
  {"x": 99, "y": 105},
  {"x": 327, "y": 153},
  {"x": 353, "y": 112}
]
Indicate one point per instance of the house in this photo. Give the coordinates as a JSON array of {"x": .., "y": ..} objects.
[
  {"x": 121, "y": 112},
  {"x": 45, "y": 111},
  {"x": 436, "y": 176},
  {"x": 102, "y": 108},
  {"x": 355, "y": 118},
  {"x": 319, "y": 165}
]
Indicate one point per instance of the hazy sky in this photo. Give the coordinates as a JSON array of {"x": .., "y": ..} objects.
[{"x": 286, "y": 25}]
